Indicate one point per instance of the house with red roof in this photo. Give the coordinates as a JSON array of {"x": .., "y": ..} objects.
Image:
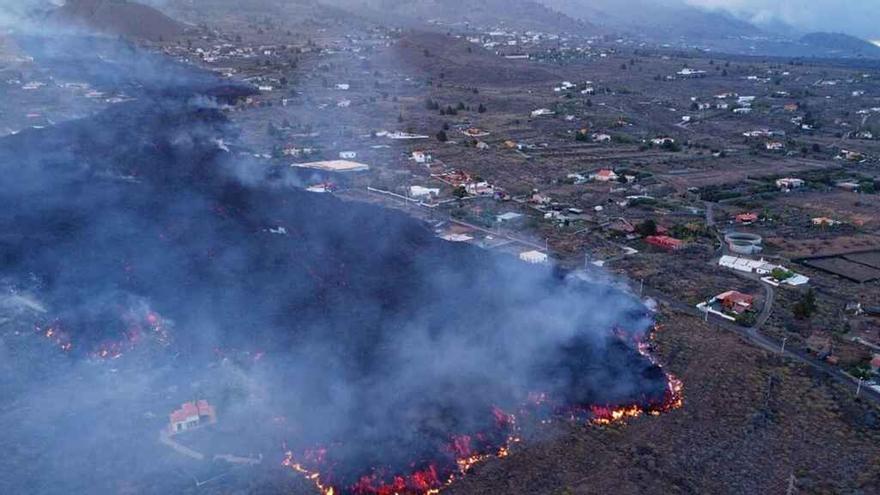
[
  {"x": 191, "y": 415},
  {"x": 665, "y": 242},
  {"x": 735, "y": 302},
  {"x": 875, "y": 364},
  {"x": 747, "y": 217},
  {"x": 604, "y": 175}
]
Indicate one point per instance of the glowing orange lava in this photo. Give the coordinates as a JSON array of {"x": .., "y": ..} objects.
[{"x": 427, "y": 481}]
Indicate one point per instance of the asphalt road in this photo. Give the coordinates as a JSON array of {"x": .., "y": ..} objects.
[{"x": 753, "y": 336}]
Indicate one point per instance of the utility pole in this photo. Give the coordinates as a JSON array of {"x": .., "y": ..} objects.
[
  {"x": 782, "y": 349},
  {"x": 641, "y": 287},
  {"x": 859, "y": 387}
]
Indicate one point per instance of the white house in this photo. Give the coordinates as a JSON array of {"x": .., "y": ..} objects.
[
  {"x": 601, "y": 138},
  {"x": 687, "y": 72},
  {"x": 397, "y": 135},
  {"x": 789, "y": 183},
  {"x": 421, "y": 157},
  {"x": 348, "y": 155},
  {"x": 482, "y": 188},
  {"x": 420, "y": 191},
  {"x": 534, "y": 257},
  {"x": 510, "y": 216},
  {"x": 660, "y": 141},
  {"x": 763, "y": 268},
  {"x": 746, "y": 265},
  {"x": 541, "y": 112}
]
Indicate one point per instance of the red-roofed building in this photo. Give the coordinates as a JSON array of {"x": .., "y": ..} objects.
[
  {"x": 191, "y": 415},
  {"x": 875, "y": 363},
  {"x": 604, "y": 175},
  {"x": 747, "y": 217},
  {"x": 665, "y": 242},
  {"x": 736, "y": 302}
]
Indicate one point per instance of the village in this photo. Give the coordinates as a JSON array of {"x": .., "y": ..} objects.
[{"x": 693, "y": 176}]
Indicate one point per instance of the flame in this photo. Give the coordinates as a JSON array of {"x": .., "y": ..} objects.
[
  {"x": 54, "y": 334},
  {"x": 427, "y": 481},
  {"x": 313, "y": 476},
  {"x": 140, "y": 327}
]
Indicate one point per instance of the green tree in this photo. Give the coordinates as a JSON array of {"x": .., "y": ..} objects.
[
  {"x": 805, "y": 308},
  {"x": 646, "y": 228},
  {"x": 781, "y": 273}
]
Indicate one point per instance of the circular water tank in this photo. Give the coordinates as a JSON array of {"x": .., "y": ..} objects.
[{"x": 742, "y": 243}]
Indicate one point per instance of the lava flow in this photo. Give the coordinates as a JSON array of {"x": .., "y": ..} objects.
[
  {"x": 463, "y": 451},
  {"x": 454, "y": 459},
  {"x": 138, "y": 327}
]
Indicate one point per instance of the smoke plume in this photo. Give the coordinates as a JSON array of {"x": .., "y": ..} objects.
[{"x": 140, "y": 272}]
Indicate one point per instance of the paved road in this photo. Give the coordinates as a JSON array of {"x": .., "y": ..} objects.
[
  {"x": 767, "y": 310},
  {"x": 710, "y": 214},
  {"x": 753, "y": 336},
  {"x": 539, "y": 247}
]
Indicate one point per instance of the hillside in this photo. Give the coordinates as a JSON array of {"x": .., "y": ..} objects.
[
  {"x": 842, "y": 43},
  {"x": 432, "y": 54},
  {"x": 118, "y": 17},
  {"x": 513, "y": 14},
  {"x": 654, "y": 19}
]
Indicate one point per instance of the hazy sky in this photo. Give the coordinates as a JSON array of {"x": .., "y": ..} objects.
[{"x": 856, "y": 17}]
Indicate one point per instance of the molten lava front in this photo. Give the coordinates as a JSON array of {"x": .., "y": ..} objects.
[
  {"x": 123, "y": 333},
  {"x": 456, "y": 459},
  {"x": 464, "y": 451}
]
